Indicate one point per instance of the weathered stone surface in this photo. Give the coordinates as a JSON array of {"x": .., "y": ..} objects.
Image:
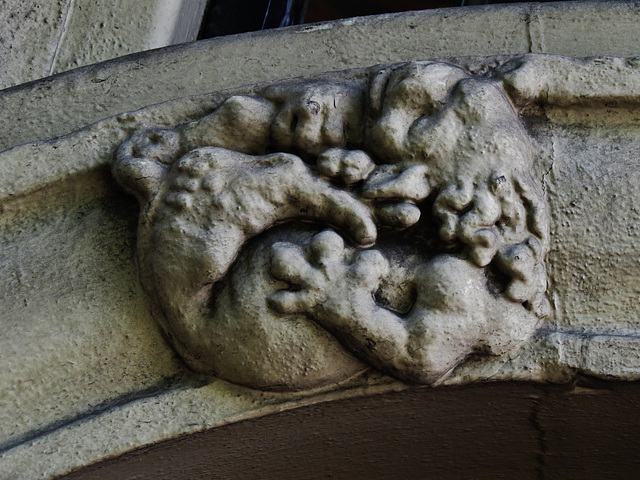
[
  {"x": 575, "y": 338},
  {"x": 29, "y": 39},
  {"x": 75, "y": 99},
  {"x": 41, "y": 38},
  {"x": 415, "y": 306},
  {"x": 87, "y": 374}
]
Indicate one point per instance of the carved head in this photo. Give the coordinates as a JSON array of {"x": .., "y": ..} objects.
[
  {"x": 459, "y": 140},
  {"x": 314, "y": 116}
]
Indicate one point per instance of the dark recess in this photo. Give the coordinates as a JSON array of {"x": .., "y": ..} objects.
[
  {"x": 487, "y": 431},
  {"x": 226, "y": 17}
]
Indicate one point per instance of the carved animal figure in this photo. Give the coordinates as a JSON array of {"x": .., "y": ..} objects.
[
  {"x": 196, "y": 216},
  {"x": 458, "y": 138},
  {"x": 454, "y": 313},
  {"x": 292, "y": 307}
]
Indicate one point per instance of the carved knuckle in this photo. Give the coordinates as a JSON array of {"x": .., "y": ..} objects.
[
  {"x": 399, "y": 215},
  {"x": 329, "y": 162},
  {"x": 371, "y": 264},
  {"x": 326, "y": 245}
]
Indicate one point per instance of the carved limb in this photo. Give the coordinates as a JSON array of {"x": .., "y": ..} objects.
[
  {"x": 211, "y": 202},
  {"x": 555, "y": 80},
  {"x": 454, "y": 315},
  {"x": 241, "y": 123}
]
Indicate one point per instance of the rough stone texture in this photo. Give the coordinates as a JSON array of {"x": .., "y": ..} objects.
[
  {"x": 419, "y": 303},
  {"x": 41, "y": 38},
  {"x": 29, "y": 39},
  {"x": 43, "y": 110},
  {"x": 88, "y": 374},
  {"x": 96, "y": 315},
  {"x": 82, "y": 200}
]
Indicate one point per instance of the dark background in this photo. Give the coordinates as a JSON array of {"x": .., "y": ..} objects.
[{"x": 226, "y": 17}]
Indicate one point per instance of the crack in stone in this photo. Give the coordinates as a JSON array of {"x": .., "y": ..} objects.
[
  {"x": 173, "y": 383},
  {"x": 63, "y": 34},
  {"x": 548, "y": 171},
  {"x": 527, "y": 31},
  {"x": 541, "y": 438}
]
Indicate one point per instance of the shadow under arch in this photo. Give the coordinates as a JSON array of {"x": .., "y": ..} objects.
[{"x": 485, "y": 431}]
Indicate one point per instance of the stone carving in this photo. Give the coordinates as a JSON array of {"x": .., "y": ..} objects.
[{"x": 291, "y": 239}]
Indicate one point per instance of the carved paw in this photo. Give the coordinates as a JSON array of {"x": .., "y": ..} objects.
[
  {"x": 142, "y": 161},
  {"x": 395, "y": 188},
  {"x": 349, "y": 166},
  {"x": 321, "y": 276}
]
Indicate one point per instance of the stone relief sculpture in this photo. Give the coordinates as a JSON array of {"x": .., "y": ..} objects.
[{"x": 292, "y": 239}]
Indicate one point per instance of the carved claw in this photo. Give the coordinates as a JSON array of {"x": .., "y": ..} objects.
[
  {"x": 408, "y": 182},
  {"x": 398, "y": 186},
  {"x": 322, "y": 275}
]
